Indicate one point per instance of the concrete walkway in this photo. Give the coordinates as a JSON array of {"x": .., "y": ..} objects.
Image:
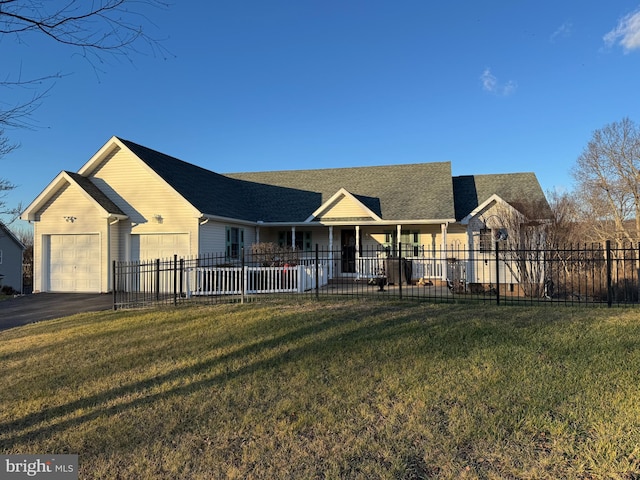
[{"x": 47, "y": 306}]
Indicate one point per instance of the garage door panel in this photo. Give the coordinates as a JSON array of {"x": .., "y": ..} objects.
[
  {"x": 74, "y": 263},
  {"x": 152, "y": 246}
]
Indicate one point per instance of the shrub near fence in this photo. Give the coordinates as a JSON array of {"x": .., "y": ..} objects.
[{"x": 574, "y": 275}]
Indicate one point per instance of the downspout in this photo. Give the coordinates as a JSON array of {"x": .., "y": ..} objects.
[{"x": 260, "y": 222}]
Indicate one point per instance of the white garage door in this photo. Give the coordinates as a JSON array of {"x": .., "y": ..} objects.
[
  {"x": 162, "y": 246},
  {"x": 74, "y": 263}
]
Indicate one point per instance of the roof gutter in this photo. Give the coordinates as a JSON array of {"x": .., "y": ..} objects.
[
  {"x": 328, "y": 223},
  {"x": 204, "y": 218}
]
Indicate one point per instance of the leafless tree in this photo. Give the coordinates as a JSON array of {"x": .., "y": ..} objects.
[
  {"x": 608, "y": 181},
  {"x": 566, "y": 224},
  {"x": 520, "y": 230},
  {"x": 94, "y": 29}
]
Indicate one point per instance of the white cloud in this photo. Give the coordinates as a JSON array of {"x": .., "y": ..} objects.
[
  {"x": 563, "y": 30},
  {"x": 491, "y": 84},
  {"x": 626, "y": 33}
]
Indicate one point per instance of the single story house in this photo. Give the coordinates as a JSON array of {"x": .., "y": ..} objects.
[
  {"x": 11, "y": 250},
  {"x": 130, "y": 202}
]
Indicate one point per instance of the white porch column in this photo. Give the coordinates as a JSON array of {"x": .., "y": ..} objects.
[
  {"x": 398, "y": 234},
  {"x": 357, "y": 251},
  {"x": 331, "y": 252},
  {"x": 293, "y": 238},
  {"x": 443, "y": 250},
  {"x": 471, "y": 264}
]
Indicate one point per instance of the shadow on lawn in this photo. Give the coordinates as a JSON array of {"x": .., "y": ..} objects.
[{"x": 363, "y": 332}]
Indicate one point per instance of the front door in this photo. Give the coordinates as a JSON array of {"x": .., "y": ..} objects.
[{"x": 348, "y": 242}]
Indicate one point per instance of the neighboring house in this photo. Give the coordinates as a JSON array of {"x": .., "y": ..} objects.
[
  {"x": 129, "y": 202},
  {"x": 11, "y": 250}
]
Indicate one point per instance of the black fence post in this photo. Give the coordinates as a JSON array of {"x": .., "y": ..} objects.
[
  {"x": 637, "y": 260},
  {"x": 317, "y": 274},
  {"x": 157, "y": 279},
  {"x": 497, "y": 273},
  {"x": 181, "y": 270},
  {"x": 242, "y": 274},
  {"x": 609, "y": 282},
  {"x": 115, "y": 283},
  {"x": 175, "y": 279}
]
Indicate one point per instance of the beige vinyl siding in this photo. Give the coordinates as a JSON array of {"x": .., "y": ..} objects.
[
  {"x": 212, "y": 238},
  {"x": 249, "y": 236},
  {"x": 164, "y": 246},
  {"x": 37, "y": 258},
  {"x": 152, "y": 206},
  {"x": 115, "y": 246},
  {"x": 344, "y": 207},
  {"x": 69, "y": 201}
]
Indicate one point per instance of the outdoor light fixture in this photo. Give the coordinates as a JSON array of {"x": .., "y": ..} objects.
[
  {"x": 158, "y": 218},
  {"x": 69, "y": 218}
]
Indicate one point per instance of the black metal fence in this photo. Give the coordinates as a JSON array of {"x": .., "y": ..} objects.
[{"x": 502, "y": 274}]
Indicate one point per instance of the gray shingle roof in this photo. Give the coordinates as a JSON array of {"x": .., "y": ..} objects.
[
  {"x": 88, "y": 186},
  {"x": 423, "y": 191},
  {"x": 521, "y": 190},
  {"x": 394, "y": 192},
  {"x": 220, "y": 195}
]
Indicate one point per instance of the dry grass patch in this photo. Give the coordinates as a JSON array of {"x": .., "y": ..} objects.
[{"x": 329, "y": 390}]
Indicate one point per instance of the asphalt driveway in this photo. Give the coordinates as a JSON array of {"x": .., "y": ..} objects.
[{"x": 46, "y": 306}]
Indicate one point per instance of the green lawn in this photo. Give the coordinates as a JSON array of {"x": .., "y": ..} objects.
[{"x": 329, "y": 390}]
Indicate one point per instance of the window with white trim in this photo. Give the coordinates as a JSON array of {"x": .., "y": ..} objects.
[
  {"x": 303, "y": 240},
  {"x": 410, "y": 240},
  {"x": 235, "y": 241},
  {"x": 485, "y": 239}
]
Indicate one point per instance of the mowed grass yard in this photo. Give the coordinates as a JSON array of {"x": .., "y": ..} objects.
[{"x": 331, "y": 390}]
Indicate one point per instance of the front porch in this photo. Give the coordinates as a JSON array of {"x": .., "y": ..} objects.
[
  {"x": 364, "y": 251},
  {"x": 376, "y": 264}
]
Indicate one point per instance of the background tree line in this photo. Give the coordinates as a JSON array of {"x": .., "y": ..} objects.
[{"x": 605, "y": 204}]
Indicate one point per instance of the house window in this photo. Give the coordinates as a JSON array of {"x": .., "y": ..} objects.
[
  {"x": 389, "y": 242},
  {"x": 410, "y": 242},
  {"x": 303, "y": 240},
  {"x": 486, "y": 240},
  {"x": 235, "y": 241}
]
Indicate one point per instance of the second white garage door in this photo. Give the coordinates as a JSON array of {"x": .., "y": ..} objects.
[{"x": 163, "y": 246}]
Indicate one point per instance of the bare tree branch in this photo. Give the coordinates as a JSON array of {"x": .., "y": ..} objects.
[
  {"x": 93, "y": 28},
  {"x": 608, "y": 180}
]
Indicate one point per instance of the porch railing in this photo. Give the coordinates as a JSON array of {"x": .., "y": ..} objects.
[
  {"x": 253, "y": 280},
  {"x": 423, "y": 267}
]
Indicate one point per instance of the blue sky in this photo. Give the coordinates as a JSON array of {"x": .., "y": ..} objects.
[{"x": 493, "y": 87}]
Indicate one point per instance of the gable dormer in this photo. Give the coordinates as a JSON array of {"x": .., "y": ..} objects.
[{"x": 344, "y": 206}]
